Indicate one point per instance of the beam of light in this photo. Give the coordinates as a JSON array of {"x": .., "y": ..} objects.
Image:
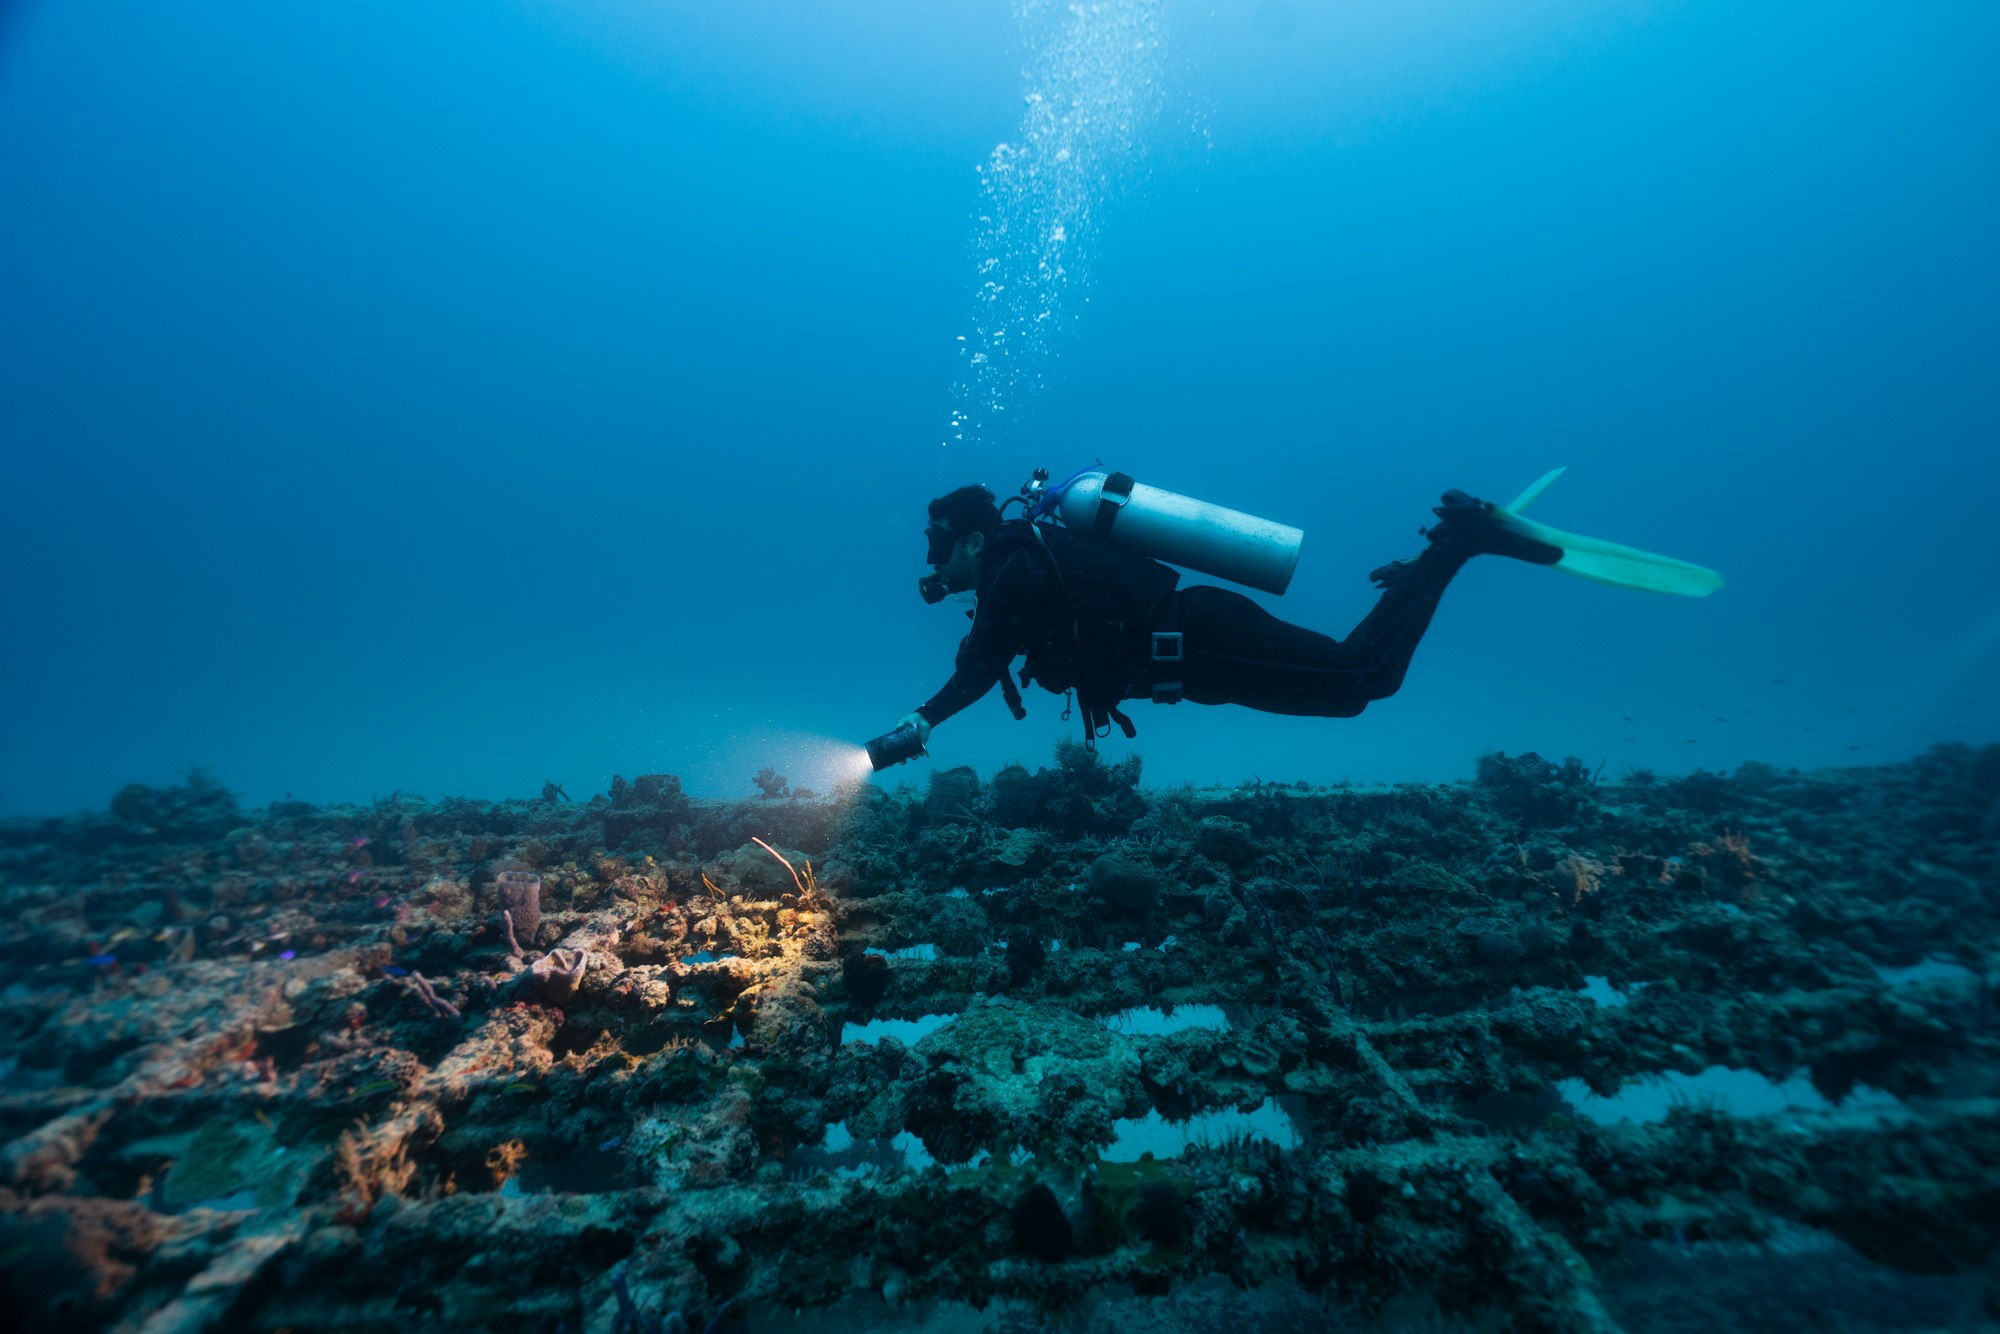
[
  {"x": 822, "y": 765},
  {"x": 855, "y": 766}
]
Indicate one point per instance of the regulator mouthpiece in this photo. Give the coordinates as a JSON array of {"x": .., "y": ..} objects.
[
  {"x": 895, "y": 747},
  {"x": 931, "y": 588}
]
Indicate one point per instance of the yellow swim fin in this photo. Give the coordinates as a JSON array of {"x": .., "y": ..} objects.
[{"x": 1606, "y": 562}]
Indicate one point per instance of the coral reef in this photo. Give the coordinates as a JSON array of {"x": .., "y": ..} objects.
[{"x": 1044, "y": 1044}]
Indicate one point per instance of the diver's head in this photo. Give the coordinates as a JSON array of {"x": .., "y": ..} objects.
[{"x": 961, "y": 524}]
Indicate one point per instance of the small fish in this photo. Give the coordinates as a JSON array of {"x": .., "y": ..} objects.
[
  {"x": 358, "y": 841},
  {"x": 381, "y": 900},
  {"x": 394, "y": 971},
  {"x": 354, "y": 876},
  {"x": 289, "y": 955},
  {"x": 122, "y": 933},
  {"x": 262, "y": 1119},
  {"x": 519, "y": 1088},
  {"x": 374, "y": 1086},
  {"x": 611, "y": 1144},
  {"x": 103, "y": 960}
]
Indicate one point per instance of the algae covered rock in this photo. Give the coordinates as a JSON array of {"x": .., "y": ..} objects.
[
  {"x": 1225, "y": 840},
  {"x": 199, "y": 808},
  {"x": 958, "y": 926},
  {"x": 953, "y": 794},
  {"x": 1126, "y": 885},
  {"x": 1006, "y": 1073},
  {"x": 1536, "y": 792},
  {"x": 1019, "y": 849},
  {"x": 230, "y": 1161},
  {"x": 1014, "y": 797},
  {"x": 783, "y": 1018},
  {"x": 651, "y": 804}
]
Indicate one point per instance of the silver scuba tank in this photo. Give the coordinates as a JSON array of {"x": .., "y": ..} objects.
[{"x": 1180, "y": 530}]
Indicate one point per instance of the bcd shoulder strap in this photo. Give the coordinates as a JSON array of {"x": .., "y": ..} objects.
[{"x": 1111, "y": 596}]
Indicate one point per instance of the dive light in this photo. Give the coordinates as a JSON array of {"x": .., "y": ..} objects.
[{"x": 895, "y": 746}]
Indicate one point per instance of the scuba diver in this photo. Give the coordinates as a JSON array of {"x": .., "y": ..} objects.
[{"x": 1074, "y": 586}]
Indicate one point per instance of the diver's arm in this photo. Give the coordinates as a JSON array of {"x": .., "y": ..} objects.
[
  {"x": 973, "y": 676},
  {"x": 991, "y": 645}
]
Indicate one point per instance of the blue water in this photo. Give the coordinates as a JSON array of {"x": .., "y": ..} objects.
[{"x": 453, "y": 397}]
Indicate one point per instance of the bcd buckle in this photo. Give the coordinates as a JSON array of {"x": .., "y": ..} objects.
[{"x": 1166, "y": 646}]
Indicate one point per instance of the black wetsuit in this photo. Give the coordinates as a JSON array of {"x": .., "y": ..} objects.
[{"x": 1232, "y": 650}]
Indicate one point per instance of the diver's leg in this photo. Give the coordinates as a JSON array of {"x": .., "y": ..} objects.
[
  {"x": 1388, "y": 635},
  {"x": 1238, "y": 653}
]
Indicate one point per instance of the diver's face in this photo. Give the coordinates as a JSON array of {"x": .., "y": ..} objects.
[{"x": 960, "y": 563}]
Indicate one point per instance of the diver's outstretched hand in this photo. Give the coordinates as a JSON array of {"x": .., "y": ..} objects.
[{"x": 916, "y": 720}]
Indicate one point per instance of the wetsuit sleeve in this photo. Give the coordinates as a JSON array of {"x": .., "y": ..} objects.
[{"x": 997, "y": 637}]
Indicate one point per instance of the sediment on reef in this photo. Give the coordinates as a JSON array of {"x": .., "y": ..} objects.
[{"x": 590, "y": 1065}]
